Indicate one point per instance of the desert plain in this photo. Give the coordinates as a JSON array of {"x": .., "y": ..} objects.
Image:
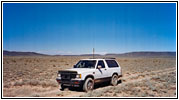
[{"x": 35, "y": 76}]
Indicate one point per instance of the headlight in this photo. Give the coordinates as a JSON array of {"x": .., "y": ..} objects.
[
  {"x": 78, "y": 76},
  {"x": 58, "y": 75}
]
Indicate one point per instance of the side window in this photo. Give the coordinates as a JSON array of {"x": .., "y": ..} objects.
[
  {"x": 100, "y": 62},
  {"x": 112, "y": 63}
]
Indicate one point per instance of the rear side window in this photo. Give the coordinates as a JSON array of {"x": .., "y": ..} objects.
[{"x": 112, "y": 63}]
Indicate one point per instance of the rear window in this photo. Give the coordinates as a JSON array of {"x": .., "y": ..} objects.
[{"x": 112, "y": 63}]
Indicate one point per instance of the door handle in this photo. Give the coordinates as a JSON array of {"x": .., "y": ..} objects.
[{"x": 105, "y": 69}]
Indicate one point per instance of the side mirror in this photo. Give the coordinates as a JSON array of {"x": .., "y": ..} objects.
[
  {"x": 74, "y": 66},
  {"x": 99, "y": 67}
]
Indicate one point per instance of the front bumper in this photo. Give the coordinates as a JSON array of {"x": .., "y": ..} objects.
[{"x": 73, "y": 83}]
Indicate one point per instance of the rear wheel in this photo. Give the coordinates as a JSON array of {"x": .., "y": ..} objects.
[
  {"x": 114, "y": 80},
  {"x": 88, "y": 85}
]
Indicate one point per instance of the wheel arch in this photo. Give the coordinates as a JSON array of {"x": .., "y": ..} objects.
[
  {"x": 115, "y": 73},
  {"x": 89, "y": 76}
]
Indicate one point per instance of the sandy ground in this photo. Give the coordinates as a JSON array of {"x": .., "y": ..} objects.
[{"x": 35, "y": 77}]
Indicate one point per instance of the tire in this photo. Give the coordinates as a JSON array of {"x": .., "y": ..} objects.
[
  {"x": 120, "y": 80},
  {"x": 62, "y": 87},
  {"x": 88, "y": 85},
  {"x": 114, "y": 80}
]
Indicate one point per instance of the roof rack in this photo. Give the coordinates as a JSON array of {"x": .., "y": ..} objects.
[
  {"x": 103, "y": 58},
  {"x": 109, "y": 58}
]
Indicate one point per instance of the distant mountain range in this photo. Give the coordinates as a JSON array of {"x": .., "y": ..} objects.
[
  {"x": 145, "y": 54},
  {"x": 130, "y": 54},
  {"x": 16, "y": 53}
]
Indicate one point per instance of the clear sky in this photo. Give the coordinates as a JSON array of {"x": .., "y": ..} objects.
[{"x": 75, "y": 28}]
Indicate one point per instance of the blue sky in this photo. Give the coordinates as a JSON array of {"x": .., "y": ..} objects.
[{"x": 75, "y": 28}]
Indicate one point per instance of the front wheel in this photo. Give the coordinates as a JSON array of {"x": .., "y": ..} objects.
[
  {"x": 88, "y": 85},
  {"x": 63, "y": 87},
  {"x": 114, "y": 80}
]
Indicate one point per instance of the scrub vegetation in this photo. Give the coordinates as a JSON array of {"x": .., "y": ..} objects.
[{"x": 34, "y": 76}]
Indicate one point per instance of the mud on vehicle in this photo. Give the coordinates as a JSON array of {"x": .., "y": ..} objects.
[{"x": 88, "y": 72}]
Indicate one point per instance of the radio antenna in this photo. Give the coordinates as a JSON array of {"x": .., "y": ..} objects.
[{"x": 93, "y": 53}]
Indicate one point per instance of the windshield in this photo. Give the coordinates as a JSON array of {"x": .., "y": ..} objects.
[{"x": 85, "y": 64}]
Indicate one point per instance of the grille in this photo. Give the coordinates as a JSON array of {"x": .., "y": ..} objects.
[{"x": 67, "y": 75}]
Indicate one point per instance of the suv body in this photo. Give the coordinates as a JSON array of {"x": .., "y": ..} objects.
[{"x": 88, "y": 72}]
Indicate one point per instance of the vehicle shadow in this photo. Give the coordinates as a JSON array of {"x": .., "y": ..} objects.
[
  {"x": 80, "y": 89},
  {"x": 105, "y": 84}
]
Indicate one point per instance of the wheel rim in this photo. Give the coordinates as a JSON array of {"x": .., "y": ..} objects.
[
  {"x": 114, "y": 80},
  {"x": 90, "y": 85}
]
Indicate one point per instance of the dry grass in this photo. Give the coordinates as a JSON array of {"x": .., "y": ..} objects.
[
  {"x": 156, "y": 86},
  {"x": 30, "y": 68},
  {"x": 37, "y": 74}
]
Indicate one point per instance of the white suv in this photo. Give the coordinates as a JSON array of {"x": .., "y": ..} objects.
[{"x": 88, "y": 72}]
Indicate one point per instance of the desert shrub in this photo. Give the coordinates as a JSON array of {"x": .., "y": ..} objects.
[
  {"x": 62, "y": 60},
  {"x": 92, "y": 94},
  {"x": 33, "y": 82},
  {"x": 13, "y": 60},
  {"x": 134, "y": 91},
  {"x": 52, "y": 60},
  {"x": 37, "y": 60},
  {"x": 19, "y": 83},
  {"x": 117, "y": 90},
  {"x": 7, "y": 62},
  {"x": 150, "y": 85},
  {"x": 19, "y": 73},
  {"x": 96, "y": 94},
  {"x": 125, "y": 60},
  {"x": 49, "y": 83},
  {"x": 28, "y": 60},
  {"x": 60, "y": 94},
  {"x": 89, "y": 94},
  {"x": 23, "y": 92},
  {"x": 115, "y": 94},
  {"x": 35, "y": 95},
  {"x": 7, "y": 85}
]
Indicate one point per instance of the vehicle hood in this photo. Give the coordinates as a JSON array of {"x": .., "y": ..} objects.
[{"x": 80, "y": 70}]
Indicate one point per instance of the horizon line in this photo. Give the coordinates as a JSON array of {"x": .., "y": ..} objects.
[{"x": 86, "y": 53}]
